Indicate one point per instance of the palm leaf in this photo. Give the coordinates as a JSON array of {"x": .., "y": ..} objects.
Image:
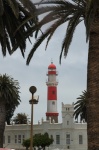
[
  {"x": 74, "y": 21},
  {"x": 62, "y": 11},
  {"x": 1, "y": 27},
  {"x": 14, "y": 7},
  {"x": 28, "y": 4},
  {"x": 36, "y": 45},
  {"x": 80, "y": 107}
]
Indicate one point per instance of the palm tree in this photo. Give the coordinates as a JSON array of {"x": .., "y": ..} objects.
[
  {"x": 9, "y": 93},
  {"x": 12, "y": 14},
  {"x": 10, "y": 108},
  {"x": 72, "y": 12},
  {"x": 80, "y": 107}
]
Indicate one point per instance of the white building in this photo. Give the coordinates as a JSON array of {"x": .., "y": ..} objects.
[{"x": 67, "y": 135}]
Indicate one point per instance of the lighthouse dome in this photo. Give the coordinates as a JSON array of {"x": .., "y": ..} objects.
[{"x": 51, "y": 66}]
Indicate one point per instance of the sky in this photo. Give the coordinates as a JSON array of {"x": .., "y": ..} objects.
[{"x": 72, "y": 73}]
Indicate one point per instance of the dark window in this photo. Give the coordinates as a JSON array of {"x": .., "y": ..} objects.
[
  {"x": 80, "y": 139},
  {"x": 67, "y": 138},
  {"x": 57, "y": 139},
  {"x": 67, "y": 122},
  {"x": 53, "y": 92},
  {"x": 9, "y": 139},
  {"x": 19, "y": 138},
  {"x": 23, "y": 137},
  {"x": 53, "y": 103},
  {"x": 15, "y": 138}
]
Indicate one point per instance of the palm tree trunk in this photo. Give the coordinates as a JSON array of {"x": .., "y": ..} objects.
[
  {"x": 2, "y": 121},
  {"x": 1, "y": 138},
  {"x": 93, "y": 87}
]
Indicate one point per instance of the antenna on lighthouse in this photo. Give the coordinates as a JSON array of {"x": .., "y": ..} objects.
[{"x": 51, "y": 61}]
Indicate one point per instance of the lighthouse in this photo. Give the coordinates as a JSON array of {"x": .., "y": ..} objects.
[{"x": 52, "y": 94}]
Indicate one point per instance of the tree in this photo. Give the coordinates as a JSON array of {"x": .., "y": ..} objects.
[
  {"x": 26, "y": 143},
  {"x": 12, "y": 14},
  {"x": 42, "y": 140},
  {"x": 9, "y": 93},
  {"x": 10, "y": 108},
  {"x": 71, "y": 13},
  {"x": 39, "y": 140},
  {"x": 80, "y": 107},
  {"x": 21, "y": 118}
]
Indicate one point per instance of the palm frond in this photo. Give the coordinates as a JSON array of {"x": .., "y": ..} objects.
[
  {"x": 1, "y": 27},
  {"x": 14, "y": 6},
  {"x": 58, "y": 11},
  {"x": 27, "y": 4},
  {"x": 80, "y": 107},
  {"x": 62, "y": 2},
  {"x": 53, "y": 28},
  {"x": 14, "y": 13},
  {"x": 74, "y": 21},
  {"x": 36, "y": 45}
]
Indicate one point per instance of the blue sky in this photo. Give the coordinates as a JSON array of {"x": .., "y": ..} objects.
[{"x": 72, "y": 73}]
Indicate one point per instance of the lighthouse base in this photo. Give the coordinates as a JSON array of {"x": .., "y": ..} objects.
[
  {"x": 52, "y": 116},
  {"x": 53, "y": 119}
]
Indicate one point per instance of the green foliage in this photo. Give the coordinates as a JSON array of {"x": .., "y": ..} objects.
[
  {"x": 21, "y": 118},
  {"x": 39, "y": 139},
  {"x": 9, "y": 99},
  {"x": 26, "y": 143},
  {"x": 9, "y": 89},
  {"x": 12, "y": 14},
  {"x": 42, "y": 140},
  {"x": 9, "y": 92},
  {"x": 80, "y": 107},
  {"x": 10, "y": 108},
  {"x": 57, "y": 13}
]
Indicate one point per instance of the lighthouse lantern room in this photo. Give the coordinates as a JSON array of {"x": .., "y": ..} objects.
[{"x": 52, "y": 94}]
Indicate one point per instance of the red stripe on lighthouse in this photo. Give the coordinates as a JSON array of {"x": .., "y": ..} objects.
[
  {"x": 52, "y": 72},
  {"x": 52, "y": 114},
  {"x": 52, "y": 93}
]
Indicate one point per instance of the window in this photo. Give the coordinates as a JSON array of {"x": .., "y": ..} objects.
[
  {"x": 67, "y": 138},
  {"x": 53, "y": 92},
  {"x": 57, "y": 139},
  {"x": 67, "y": 122},
  {"x": 23, "y": 137},
  {"x": 67, "y": 109},
  {"x": 15, "y": 138},
  {"x": 19, "y": 138},
  {"x": 68, "y": 147},
  {"x": 80, "y": 139},
  {"x": 53, "y": 103},
  {"x": 9, "y": 139}
]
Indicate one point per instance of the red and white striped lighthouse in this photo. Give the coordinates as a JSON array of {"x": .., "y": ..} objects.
[{"x": 52, "y": 94}]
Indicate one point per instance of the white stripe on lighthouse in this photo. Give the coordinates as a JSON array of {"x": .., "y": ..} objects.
[{"x": 52, "y": 106}]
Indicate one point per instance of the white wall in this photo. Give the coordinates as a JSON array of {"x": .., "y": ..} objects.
[{"x": 72, "y": 128}]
